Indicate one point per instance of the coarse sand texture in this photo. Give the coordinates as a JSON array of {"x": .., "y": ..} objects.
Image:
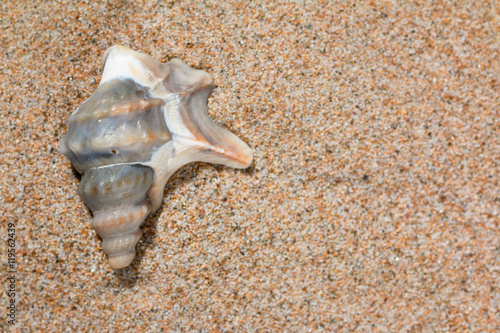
[{"x": 372, "y": 203}]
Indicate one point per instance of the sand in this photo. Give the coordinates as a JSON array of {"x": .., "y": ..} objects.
[{"x": 372, "y": 204}]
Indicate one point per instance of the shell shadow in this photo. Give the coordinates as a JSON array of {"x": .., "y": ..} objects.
[{"x": 76, "y": 174}]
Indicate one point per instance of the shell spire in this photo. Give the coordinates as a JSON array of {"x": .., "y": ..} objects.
[{"x": 145, "y": 121}]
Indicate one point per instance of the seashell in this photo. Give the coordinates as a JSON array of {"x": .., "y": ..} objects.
[{"x": 146, "y": 120}]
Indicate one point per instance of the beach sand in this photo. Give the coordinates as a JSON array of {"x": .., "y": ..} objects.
[{"x": 372, "y": 204}]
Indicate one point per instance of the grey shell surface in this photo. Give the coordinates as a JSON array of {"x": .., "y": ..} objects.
[
  {"x": 115, "y": 185},
  {"x": 120, "y": 123},
  {"x": 146, "y": 120}
]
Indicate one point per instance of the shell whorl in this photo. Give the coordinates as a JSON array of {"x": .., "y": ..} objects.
[
  {"x": 119, "y": 228},
  {"x": 120, "y": 123},
  {"x": 117, "y": 195}
]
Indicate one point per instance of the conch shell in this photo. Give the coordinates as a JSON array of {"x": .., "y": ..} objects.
[{"x": 146, "y": 120}]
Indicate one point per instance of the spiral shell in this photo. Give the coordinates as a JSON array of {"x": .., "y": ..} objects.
[{"x": 146, "y": 120}]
